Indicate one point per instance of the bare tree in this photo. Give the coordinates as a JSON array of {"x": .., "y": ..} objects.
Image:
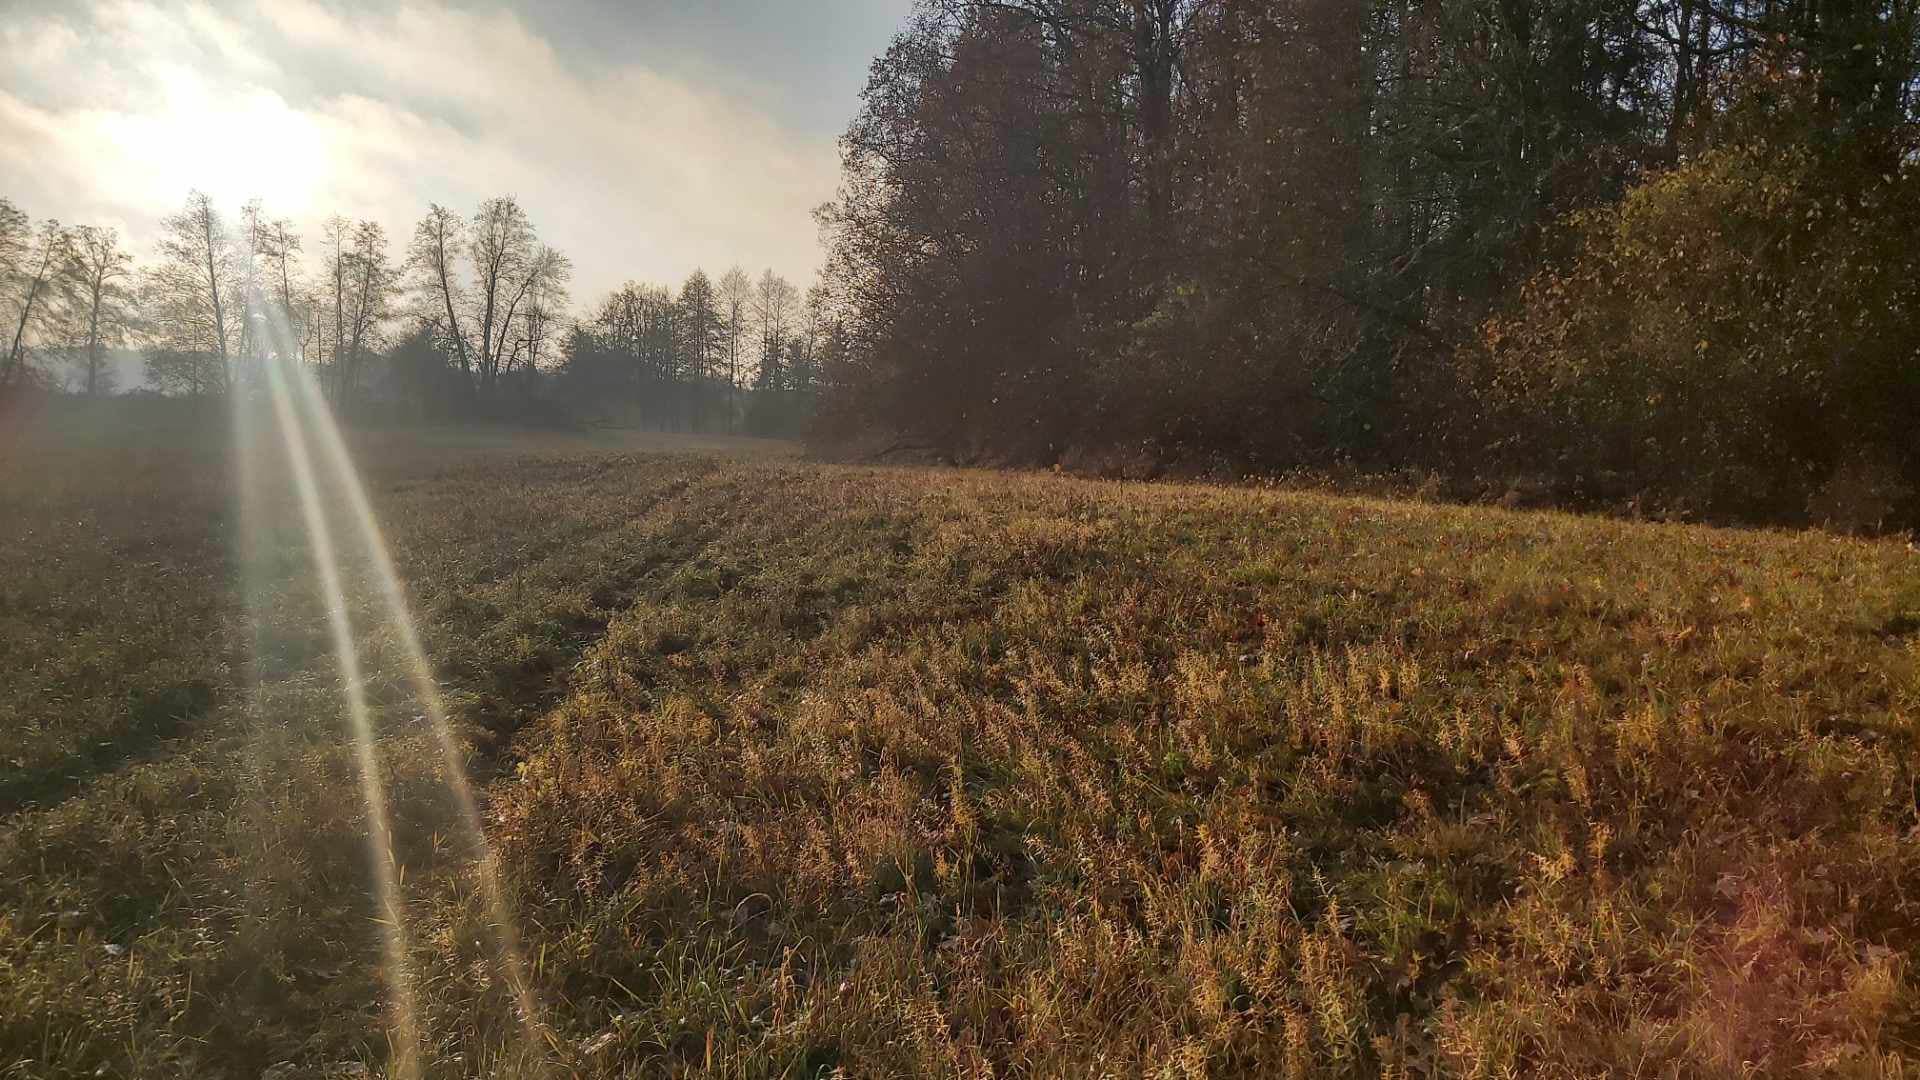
[
  {"x": 187, "y": 294},
  {"x": 283, "y": 295},
  {"x": 482, "y": 282},
  {"x": 546, "y": 300},
  {"x": 816, "y": 326},
  {"x": 701, "y": 325},
  {"x": 433, "y": 257},
  {"x": 543, "y": 274},
  {"x": 367, "y": 305},
  {"x": 35, "y": 281},
  {"x": 335, "y": 250},
  {"x": 503, "y": 255},
  {"x": 253, "y": 244},
  {"x": 16, "y": 231},
  {"x": 735, "y": 299},
  {"x": 282, "y": 255},
  {"x": 774, "y": 300},
  {"x": 99, "y": 266}
]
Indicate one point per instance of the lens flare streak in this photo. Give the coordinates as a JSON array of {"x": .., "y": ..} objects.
[
  {"x": 427, "y": 692},
  {"x": 307, "y": 427},
  {"x": 405, "y": 1034}
]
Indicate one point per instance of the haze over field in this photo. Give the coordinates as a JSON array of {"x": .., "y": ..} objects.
[{"x": 647, "y": 138}]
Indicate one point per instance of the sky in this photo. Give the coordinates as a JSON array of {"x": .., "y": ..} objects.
[{"x": 644, "y": 137}]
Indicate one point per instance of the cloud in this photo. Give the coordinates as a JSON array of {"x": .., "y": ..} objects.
[{"x": 110, "y": 117}]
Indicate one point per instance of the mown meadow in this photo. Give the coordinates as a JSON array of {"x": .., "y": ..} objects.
[{"x": 793, "y": 769}]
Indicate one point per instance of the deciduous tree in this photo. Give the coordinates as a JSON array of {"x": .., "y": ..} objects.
[
  {"x": 433, "y": 260},
  {"x": 100, "y": 269},
  {"x": 33, "y": 292},
  {"x": 187, "y": 295},
  {"x": 734, "y": 298},
  {"x": 774, "y": 301},
  {"x": 368, "y": 282}
]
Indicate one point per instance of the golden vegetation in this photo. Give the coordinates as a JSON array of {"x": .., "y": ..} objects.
[{"x": 797, "y": 768}]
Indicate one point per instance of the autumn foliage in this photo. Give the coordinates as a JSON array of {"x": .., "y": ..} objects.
[
  {"x": 1625, "y": 253},
  {"x": 1735, "y": 335}
]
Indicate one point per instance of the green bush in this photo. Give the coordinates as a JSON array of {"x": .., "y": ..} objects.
[{"x": 1734, "y": 336}]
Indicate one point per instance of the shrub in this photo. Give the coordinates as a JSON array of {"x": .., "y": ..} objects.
[{"x": 1732, "y": 334}]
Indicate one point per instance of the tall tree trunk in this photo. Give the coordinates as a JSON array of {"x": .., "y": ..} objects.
[
  {"x": 339, "y": 321},
  {"x": 453, "y": 321},
  {"x": 93, "y": 332},
  {"x": 352, "y": 361},
  {"x": 219, "y": 310},
  {"x": 489, "y": 359}
]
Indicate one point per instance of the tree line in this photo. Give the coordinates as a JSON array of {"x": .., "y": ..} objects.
[
  {"x": 470, "y": 320},
  {"x": 718, "y": 354},
  {"x": 1653, "y": 250}
]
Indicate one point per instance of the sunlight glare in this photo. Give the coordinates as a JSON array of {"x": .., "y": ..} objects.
[
  {"x": 427, "y": 692},
  {"x": 406, "y": 1036}
]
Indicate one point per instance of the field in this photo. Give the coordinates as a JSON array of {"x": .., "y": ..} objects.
[{"x": 790, "y": 769}]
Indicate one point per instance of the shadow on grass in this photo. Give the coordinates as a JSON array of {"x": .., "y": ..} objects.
[{"x": 152, "y": 718}]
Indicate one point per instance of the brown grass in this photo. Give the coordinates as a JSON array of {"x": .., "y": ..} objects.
[{"x": 799, "y": 768}]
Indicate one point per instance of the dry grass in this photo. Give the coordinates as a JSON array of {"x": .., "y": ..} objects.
[{"x": 799, "y": 768}]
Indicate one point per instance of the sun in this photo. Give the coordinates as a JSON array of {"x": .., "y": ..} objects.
[{"x": 234, "y": 141}]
